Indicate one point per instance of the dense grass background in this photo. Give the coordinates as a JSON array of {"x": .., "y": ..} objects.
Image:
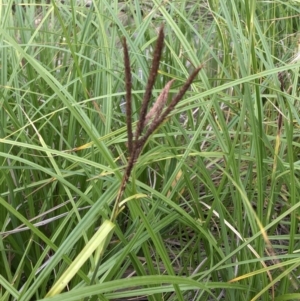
[{"x": 212, "y": 208}]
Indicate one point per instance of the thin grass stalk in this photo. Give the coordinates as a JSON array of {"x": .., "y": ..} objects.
[
  {"x": 128, "y": 95},
  {"x": 150, "y": 83}
]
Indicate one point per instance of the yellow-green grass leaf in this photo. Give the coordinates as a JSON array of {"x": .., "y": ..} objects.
[{"x": 98, "y": 240}]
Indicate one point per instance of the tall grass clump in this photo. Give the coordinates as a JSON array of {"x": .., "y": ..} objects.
[{"x": 128, "y": 171}]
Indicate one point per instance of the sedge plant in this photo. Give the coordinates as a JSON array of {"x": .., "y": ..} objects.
[{"x": 212, "y": 195}]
